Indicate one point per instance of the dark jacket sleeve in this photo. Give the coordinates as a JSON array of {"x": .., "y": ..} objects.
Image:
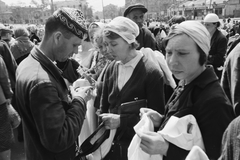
[
  {"x": 155, "y": 91},
  {"x": 58, "y": 122},
  {"x": 150, "y": 40},
  {"x": 4, "y": 80},
  {"x": 213, "y": 121},
  {"x": 9, "y": 62}
]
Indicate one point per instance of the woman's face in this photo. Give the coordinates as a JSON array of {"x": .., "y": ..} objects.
[
  {"x": 103, "y": 49},
  {"x": 183, "y": 58},
  {"x": 118, "y": 48},
  {"x": 210, "y": 27}
]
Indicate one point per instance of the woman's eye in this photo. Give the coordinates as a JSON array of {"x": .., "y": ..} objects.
[
  {"x": 113, "y": 44},
  {"x": 168, "y": 53},
  {"x": 182, "y": 53}
]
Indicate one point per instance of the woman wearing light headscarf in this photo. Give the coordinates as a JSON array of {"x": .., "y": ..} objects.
[
  {"x": 131, "y": 77},
  {"x": 199, "y": 93}
]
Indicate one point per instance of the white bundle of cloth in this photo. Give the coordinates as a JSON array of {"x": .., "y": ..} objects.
[
  {"x": 159, "y": 59},
  {"x": 197, "y": 153},
  {"x": 182, "y": 132},
  {"x": 90, "y": 122}
]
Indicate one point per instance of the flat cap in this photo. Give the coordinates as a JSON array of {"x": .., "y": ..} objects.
[
  {"x": 133, "y": 7},
  {"x": 4, "y": 29},
  {"x": 72, "y": 19}
]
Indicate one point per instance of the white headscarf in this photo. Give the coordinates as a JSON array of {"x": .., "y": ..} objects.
[
  {"x": 195, "y": 30},
  {"x": 124, "y": 27}
]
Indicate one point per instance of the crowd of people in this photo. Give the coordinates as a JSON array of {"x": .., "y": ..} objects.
[{"x": 127, "y": 70}]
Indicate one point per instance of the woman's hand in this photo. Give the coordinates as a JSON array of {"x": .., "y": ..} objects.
[
  {"x": 111, "y": 121},
  {"x": 153, "y": 143},
  {"x": 154, "y": 116}
]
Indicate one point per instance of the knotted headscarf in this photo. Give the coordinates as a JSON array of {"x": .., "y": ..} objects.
[
  {"x": 195, "y": 30},
  {"x": 124, "y": 27}
]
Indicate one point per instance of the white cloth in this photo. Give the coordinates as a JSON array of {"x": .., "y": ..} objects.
[
  {"x": 90, "y": 121},
  {"x": 196, "y": 31},
  {"x": 134, "y": 150},
  {"x": 163, "y": 34},
  {"x": 159, "y": 59},
  {"x": 182, "y": 132},
  {"x": 197, "y": 153},
  {"x": 124, "y": 27},
  {"x": 105, "y": 147}
]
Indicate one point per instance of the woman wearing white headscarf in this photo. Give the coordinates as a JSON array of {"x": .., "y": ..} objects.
[
  {"x": 129, "y": 77},
  {"x": 199, "y": 93}
]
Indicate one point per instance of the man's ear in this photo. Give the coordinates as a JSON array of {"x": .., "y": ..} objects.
[{"x": 57, "y": 37}]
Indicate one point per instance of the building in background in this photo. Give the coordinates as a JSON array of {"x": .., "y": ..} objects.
[
  {"x": 38, "y": 14},
  {"x": 192, "y": 9}
]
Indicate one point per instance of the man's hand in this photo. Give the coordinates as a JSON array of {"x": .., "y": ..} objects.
[
  {"x": 84, "y": 92},
  {"x": 111, "y": 121}
]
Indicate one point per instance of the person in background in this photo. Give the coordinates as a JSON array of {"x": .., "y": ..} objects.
[
  {"x": 230, "y": 80},
  {"x": 22, "y": 45},
  {"x": 199, "y": 94},
  {"x": 230, "y": 142},
  {"x": 52, "y": 118},
  {"x": 136, "y": 13},
  {"x": 6, "y": 35},
  {"x": 85, "y": 55},
  {"x": 176, "y": 20},
  {"x": 40, "y": 33},
  {"x": 129, "y": 78},
  {"x": 20, "y": 48},
  {"x": 33, "y": 29},
  {"x": 218, "y": 43},
  {"x": 6, "y": 131},
  {"x": 99, "y": 60},
  {"x": 108, "y": 58}
]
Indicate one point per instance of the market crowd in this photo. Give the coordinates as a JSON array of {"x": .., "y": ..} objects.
[{"x": 121, "y": 90}]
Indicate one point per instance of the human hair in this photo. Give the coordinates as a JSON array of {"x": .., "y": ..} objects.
[
  {"x": 87, "y": 39},
  {"x": 53, "y": 25},
  {"x": 98, "y": 37},
  {"x": 218, "y": 24},
  {"x": 202, "y": 55},
  {"x": 112, "y": 35},
  {"x": 176, "y": 20},
  {"x": 21, "y": 31}
]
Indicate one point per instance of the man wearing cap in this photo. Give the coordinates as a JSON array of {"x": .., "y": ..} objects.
[
  {"x": 136, "y": 13},
  {"x": 52, "y": 118},
  {"x": 218, "y": 43},
  {"x": 6, "y": 35}
]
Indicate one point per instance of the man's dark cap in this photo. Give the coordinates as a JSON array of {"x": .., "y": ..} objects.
[
  {"x": 134, "y": 7},
  {"x": 72, "y": 19},
  {"x": 4, "y": 29}
]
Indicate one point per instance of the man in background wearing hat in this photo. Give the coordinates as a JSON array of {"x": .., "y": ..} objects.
[
  {"x": 6, "y": 35},
  {"x": 136, "y": 13},
  {"x": 218, "y": 43},
  {"x": 52, "y": 118}
]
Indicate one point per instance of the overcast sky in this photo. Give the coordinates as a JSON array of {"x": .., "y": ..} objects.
[{"x": 96, "y": 4}]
